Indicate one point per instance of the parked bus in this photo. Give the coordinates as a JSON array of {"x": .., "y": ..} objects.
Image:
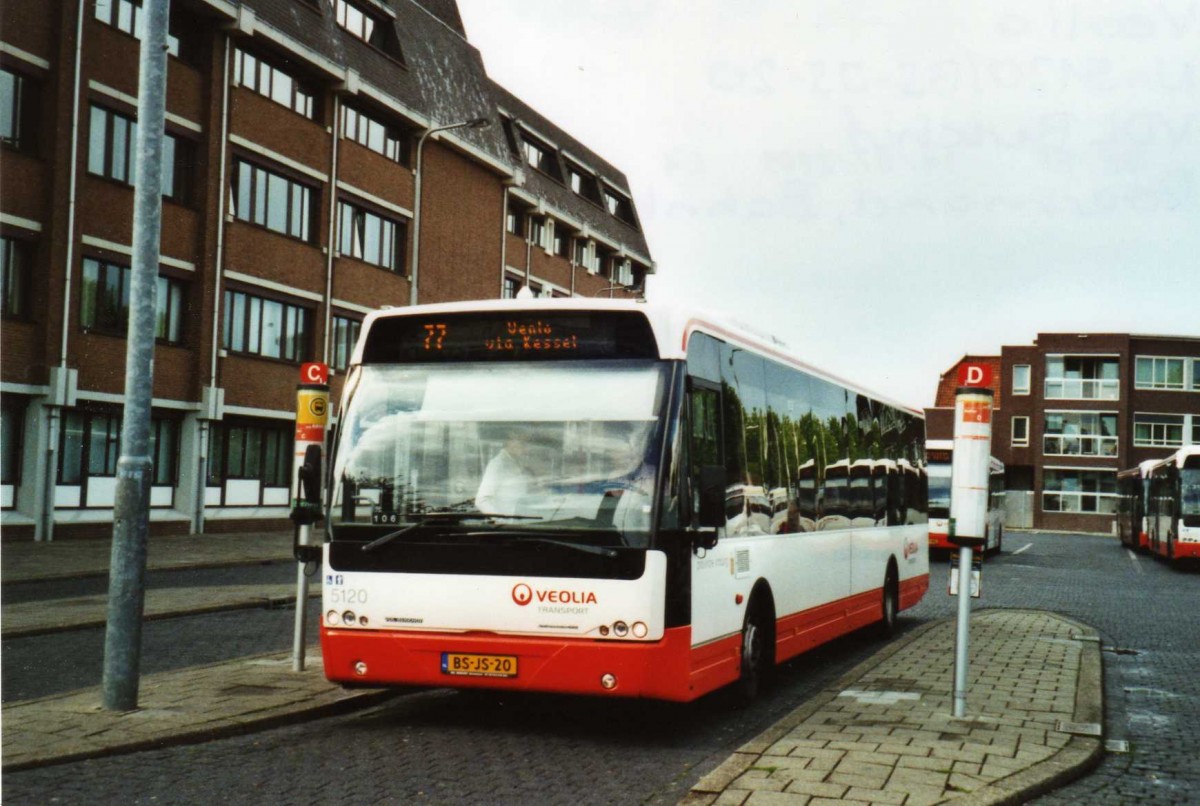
[
  {"x": 652, "y": 529},
  {"x": 1173, "y": 511},
  {"x": 939, "y": 453},
  {"x": 1133, "y": 486}
]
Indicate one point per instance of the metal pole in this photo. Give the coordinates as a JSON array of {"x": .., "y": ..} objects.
[
  {"x": 963, "y": 638},
  {"x": 301, "y": 622},
  {"x": 123, "y": 637}
]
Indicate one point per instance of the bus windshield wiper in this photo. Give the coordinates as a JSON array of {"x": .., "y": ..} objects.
[
  {"x": 586, "y": 548},
  {"x": 443, "y": 517}
]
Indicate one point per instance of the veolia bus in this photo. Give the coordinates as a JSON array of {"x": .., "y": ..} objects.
[
  {"x": 1133, "y": 486},
  {"x": 1173, "y": 511},
  {"x": 608, "y": 498}
]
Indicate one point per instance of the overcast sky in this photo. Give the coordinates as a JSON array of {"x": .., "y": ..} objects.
[{"x": 888, "y": 185}]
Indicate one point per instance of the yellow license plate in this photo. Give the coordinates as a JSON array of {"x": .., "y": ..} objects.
[{"x": 461, "y": 663}]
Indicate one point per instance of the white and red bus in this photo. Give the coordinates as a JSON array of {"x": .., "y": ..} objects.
[
  {"x": 939, "y": 454},
  {"x": 1133, "y": 486},
  {"x": 1173, "y": 511},
  {"x": 604, "y": 497}
]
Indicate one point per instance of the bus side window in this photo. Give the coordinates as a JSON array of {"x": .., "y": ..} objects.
[{"x": 704, "y": 444}]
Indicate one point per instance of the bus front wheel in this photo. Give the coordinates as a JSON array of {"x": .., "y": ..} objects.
[{"x": 758, "y": 648}]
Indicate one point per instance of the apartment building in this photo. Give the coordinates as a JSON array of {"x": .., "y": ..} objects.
[
  {"x": 323, "y": 158},
  {"x": 1073, "y": 409}
]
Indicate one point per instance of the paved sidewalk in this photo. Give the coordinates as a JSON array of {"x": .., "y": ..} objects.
[
  {"x": 27, "y": 561},
  {"x": 179, "y": 707},
  {"x": 884, "y": 734}
]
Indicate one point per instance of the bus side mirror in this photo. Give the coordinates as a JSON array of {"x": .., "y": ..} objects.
[{"x": 712, "y": 495}]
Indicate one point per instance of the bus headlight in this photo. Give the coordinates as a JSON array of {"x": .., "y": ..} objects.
[
  {"x": 332, "y": 618},
  {"x": 640, "y": 630},
  {"x": 348, "y": 617},
  {"x": 620, "y": 629}
]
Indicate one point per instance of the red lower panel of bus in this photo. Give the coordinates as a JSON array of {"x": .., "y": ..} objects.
[
  {"x": 937, "y": 540},
  {"x": 1176, "y": 550},
  {"x": 1143, "y": 540},
  {"x": 670, "y": 669}
]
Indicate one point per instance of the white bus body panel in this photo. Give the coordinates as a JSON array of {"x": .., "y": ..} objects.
[{"x": 510, "y": 605}]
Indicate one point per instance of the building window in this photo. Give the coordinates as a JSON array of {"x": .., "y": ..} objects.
[
  {"x": 583, "y": 183},
  {"x": 112, "y": 153},
  {"x": 1020, "y": 432},
  {"x": 258, "y": 326},
  {"x": 253, "y": 73},
  {"x": 262, "y": 453},
  {"x": 1080, "y": 433},
  {"x": 261, "y": 196},
  {"x": 1159, "y": 373},
  {"x": 541, "y": 156},
  {"x": 104, "y": 303},
  {"x": 91, "y": 446},
  {"x": 1021, "y": 379},
  {"x": 1158, "y": 430},
  {"x": 622, "y": 271},
  {"x": 345, "y": 336},
  {"x": 12, "y": 420},
  {"x": 1072, "y": 377},
  {"x": 128, "y": 16},
  {"x": 1088, "y": 491},
  {"x": 1196, "y": 429},
  {"x": 364, "y": 129},
  {"x": 513, "y": 221},
  {"x": 14, "y": 277},
  {"x": 537, "y": 230},
  {"x": 560, "y": 244},
  {"x": 618, "y": 205},
  {"x": 511, "y": 286},
  {"x": 375, "y": 30},
  {"x": 587, "y": 256},
  {"x": 371, "y": 238},
  {"x": 18, "y": 110}
]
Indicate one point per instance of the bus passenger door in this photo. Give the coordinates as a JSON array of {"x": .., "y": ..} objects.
[{"x": 713, "y": 580}]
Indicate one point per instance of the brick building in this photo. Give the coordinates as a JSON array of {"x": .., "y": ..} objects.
[
  {"x": 1072, "y": 410},
  {"x": 314, "y": 149}
]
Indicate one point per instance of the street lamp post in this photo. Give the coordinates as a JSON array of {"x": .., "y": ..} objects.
[{"x": 474, "y": 123}]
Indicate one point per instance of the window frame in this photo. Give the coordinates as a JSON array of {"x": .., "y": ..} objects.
[
  {"x": 218, "y": 473},
  {"x": 1027, "y": 388},
  {"x": 1014, "y": 440},
  {"x": 344, "y": 333},
  {"x": 1098, "y": 439},
  {"x": 15, "y": 265},
  {"x": 178, "y": 153},
  {"x": 1110, "y": 499},
  {"x": 163, "y": 475},
  {"x": 1165, "y": 385},
  {"x": 1158, "y": 434},
  {"x": 355, "y": 222},
  {"x": 1106, "y": 388},
  {"x": 302, "y": 96},
  {"x": 251, "y": 309},
  {"x": 89, "y": 305},
  {"x": 24, "y": 108},
  {"x": 255, "y": 205},
  {"x": 356, "y": 125}
]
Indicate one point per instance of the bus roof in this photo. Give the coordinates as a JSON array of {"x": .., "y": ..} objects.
[{"x": 672, "y": 326}]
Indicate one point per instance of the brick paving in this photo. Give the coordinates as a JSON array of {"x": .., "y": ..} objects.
[{"x": 884, "y": 733}]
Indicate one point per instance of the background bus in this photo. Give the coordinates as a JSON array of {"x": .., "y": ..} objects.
[
  {"x": 675, "y": 515},
  {"x": 1173, "y": 512},
  {"x": 939, "y": 454},
  {"x": 1133, "y": 487}
]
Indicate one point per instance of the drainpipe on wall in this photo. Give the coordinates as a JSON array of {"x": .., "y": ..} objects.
[
  {"x": 503, "y": 238},
  {"x": 333, "y": 166},
  {"x": 46, "y": 532},
  {"x": 212, "y": 406}
]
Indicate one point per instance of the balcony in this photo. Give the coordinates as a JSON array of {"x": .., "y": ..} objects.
[
  {"x": 1082, "y": 389},
  {"x": 1058, "y": 445}
]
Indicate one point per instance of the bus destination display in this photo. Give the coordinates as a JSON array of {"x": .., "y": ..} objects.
[{"x": 517, "y": 336}]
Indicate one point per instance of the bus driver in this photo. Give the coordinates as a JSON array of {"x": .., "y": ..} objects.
[{"x": 505, "y": 479}]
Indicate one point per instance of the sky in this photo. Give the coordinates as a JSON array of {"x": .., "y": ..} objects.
[{"x": 887, "y": 186}]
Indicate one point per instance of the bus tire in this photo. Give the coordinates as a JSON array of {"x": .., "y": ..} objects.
[
  {"x": 999, "y": 541},
  {"x": 758, "y": 647},
  {"x": 890, "y": 604}
]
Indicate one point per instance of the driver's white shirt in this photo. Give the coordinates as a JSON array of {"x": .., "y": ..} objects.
[{"x": 503, "y": 486}]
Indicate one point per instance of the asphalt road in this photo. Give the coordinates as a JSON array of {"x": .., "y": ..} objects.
[{"x": 445, "y": 747}]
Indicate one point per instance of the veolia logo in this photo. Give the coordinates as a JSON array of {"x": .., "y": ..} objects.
[{"x": 522, "y": 594}]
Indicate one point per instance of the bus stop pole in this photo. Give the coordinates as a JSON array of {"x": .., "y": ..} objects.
[
  {"x": 301, "y": 623},
  {"x": 964, "y": 632},
  {"x": 312, "y": 411},
  {"x": 968, "y": 512}
]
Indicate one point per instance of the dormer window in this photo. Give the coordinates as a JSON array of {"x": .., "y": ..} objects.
[
  {"x": 583, "y": 183},
  {"x": 365, "y": 25},
  {"x": 618, "y": 205},
  {"x": 541, "y": 156}
]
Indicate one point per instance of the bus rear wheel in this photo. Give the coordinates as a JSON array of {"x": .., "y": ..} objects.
[
  {"x": 891, "y": 604},
  {"x": 758, "y": 649}
]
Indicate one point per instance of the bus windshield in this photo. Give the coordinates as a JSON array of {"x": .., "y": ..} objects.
[
  {"x": 939, "y": 490},
  {"x": 568, "y": 448},
  {"x": 1189, "y": 493}
]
